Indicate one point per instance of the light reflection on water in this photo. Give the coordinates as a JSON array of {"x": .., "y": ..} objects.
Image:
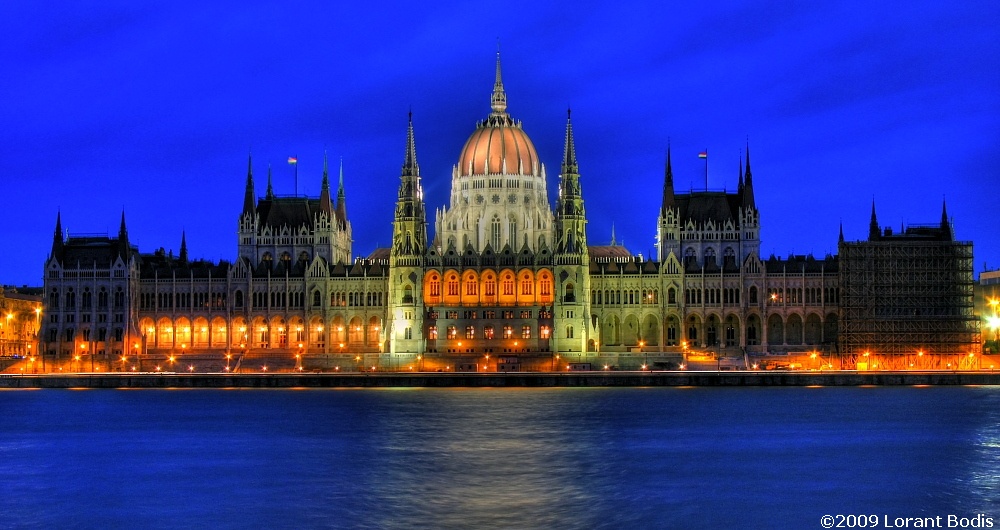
[{"x": 502, "y": 458}]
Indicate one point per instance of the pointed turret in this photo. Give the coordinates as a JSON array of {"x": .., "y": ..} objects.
[
  {"x": 614, "y": 242},
  {"x": 123, "y": 245},
  {"x": 569, "y": 164},
  {"x": 748, "y": 198},
  {"x": 341, "y": 198},
  {"x": 841, "y": 238},
  {"x": 739, "y": 177},
  {"x": 248, "y": 196},
  {"x": 325, "y": 204},
  {"x": 410, "y": 167},
  {"x": 668, "y": 186},
  {"x": 945, "y": 223},
  {"x": 570, "y": 215},
  {"x": 270, "y": 189},
  {"x": 184, "y": 248},
  {"x": 873, "y": 230},
  {"x": 498, "y": 101},
  {"x": 57, "y": 239},
  {"x": 409, "y": 227}
]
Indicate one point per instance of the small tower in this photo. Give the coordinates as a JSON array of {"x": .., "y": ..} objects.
[
  {"x": 874, "y": 233},
  {"x": 668, "y": 229},
  {"x": 405, "y": 317},
  {"x": 571, "y": 257}
]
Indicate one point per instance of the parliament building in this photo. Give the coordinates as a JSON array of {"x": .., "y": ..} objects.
[{"x": 504, "y": 282}]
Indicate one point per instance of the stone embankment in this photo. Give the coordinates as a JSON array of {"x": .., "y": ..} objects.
[{"x": 533, "y": 379}]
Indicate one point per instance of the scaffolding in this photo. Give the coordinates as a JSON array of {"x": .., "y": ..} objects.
[{"x": 900, "y": 296}]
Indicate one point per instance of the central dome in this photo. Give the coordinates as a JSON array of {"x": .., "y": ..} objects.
[{"x": 498, "y": 145}]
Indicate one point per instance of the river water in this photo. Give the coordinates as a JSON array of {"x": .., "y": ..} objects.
[{"x": 496, "y": 458}]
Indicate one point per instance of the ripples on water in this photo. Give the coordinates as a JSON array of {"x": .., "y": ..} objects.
[{"x": 495, "y": 458}]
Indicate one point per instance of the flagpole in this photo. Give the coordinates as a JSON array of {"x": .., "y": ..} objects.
[
  {"x": 297, "y": 175},
  {"x": 706, "y": 169}
]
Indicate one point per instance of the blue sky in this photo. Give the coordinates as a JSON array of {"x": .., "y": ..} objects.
[{"x": 153, "y": 108}]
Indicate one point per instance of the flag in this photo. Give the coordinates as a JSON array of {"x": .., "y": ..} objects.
[
  {"x": 703, "y": 154},
  {"x": 292, "y": 160}
]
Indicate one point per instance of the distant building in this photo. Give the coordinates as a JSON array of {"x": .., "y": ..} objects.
[
  {"x": 505, "y": 282},
  {"x": 988, "y": 308},
  {"x": 907, "y": 293},
  {"x": 20, "y": 315}
]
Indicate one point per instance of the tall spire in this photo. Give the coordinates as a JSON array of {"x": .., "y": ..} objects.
[
  {"x": 571, "y": 219},
  {"x": 945, "y": 223},
  {"x": 668, "y": 185},
  {"x": 841, "y": 238},
  {"x": 614, "y": 242},
  {"x": 57, "y": 239},
  {"x": 499, "y": 99},
  {"x": 123, "y": 245},
  {"x": 748, "y": 199},
  {"x": 270, "y": 190},
  {"x": 248, "y": 197},
  {"x": 325, "y": 205},
  {"x": 341, "y": 197},
  {"x": 739, "y": 175},
  {"x": 410, "y": 167},
  {"x": 873, "y": 230},
  {"x": 409, "y": 228},
  {"x": 569, "y": 164},
  {"x": 184, "y": 248}
]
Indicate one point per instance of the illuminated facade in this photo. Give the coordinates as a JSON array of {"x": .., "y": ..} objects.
[
  {"x": 505, "y": 278},
  {"x": 20, "y": 318}
]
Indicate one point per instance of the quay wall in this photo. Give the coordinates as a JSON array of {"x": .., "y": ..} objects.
[{"x": 534, "y": 379}]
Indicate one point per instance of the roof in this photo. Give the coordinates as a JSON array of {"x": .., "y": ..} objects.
[
  {"x": 287, "y": 211},
  {"x": 703, "y": 206},
  {"x": 608, "y": 251}
]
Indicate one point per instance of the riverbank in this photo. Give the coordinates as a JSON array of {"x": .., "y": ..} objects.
[{"x": 534, "y": 379}]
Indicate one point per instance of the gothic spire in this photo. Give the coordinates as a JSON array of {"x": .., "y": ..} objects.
[
  {"x": 410, "y": 167},
  {"x": 341, "y": 197},
  {"x": 123, "y": 246},
  {"x": 409, "y": 234},
  {"x": 569, "y": 157},
  {"x": 270, "y": 189},
  {"x": 184, "y": 248},
  {"x": 945, "y": 224},
  {"x": 325, "y": 205},
  {"x": 739, "y": 175},
  {"x": 841, "y": 238},
  {"x": 668, "y": 185},
  {"x": 248, "y": 197},
  {"x": 614, "y": 242},
  {"x": 57, "y": 238},
  {"x": 498, "y": 101},
  {"x": 873, "y": 230},
  {"x": 748, "y": 199}
]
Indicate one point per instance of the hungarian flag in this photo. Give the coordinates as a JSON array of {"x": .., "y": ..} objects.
[
  {"x": 292, "y": 160},
  {"x": 703, "y": 154}
]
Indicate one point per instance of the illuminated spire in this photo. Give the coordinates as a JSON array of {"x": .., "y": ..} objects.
[
  {"x": 569, "y": 157},
  {"x": 410, "y": 167},
  {"x": 499, "y": 99}
]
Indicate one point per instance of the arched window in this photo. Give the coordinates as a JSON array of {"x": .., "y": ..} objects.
[
  {"x": 239, "y": 299},
  {"x": 709, "y": 258},
  {"x": 317, "y": 300},
  {"x": 87, "y": 298},
  {"x": 495, "y": 232},
  {"x": 570, "y": 297},
  {"x": 70, "y": 298}
]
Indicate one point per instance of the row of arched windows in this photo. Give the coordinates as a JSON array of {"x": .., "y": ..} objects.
[{"x": 526, "y": 287}]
